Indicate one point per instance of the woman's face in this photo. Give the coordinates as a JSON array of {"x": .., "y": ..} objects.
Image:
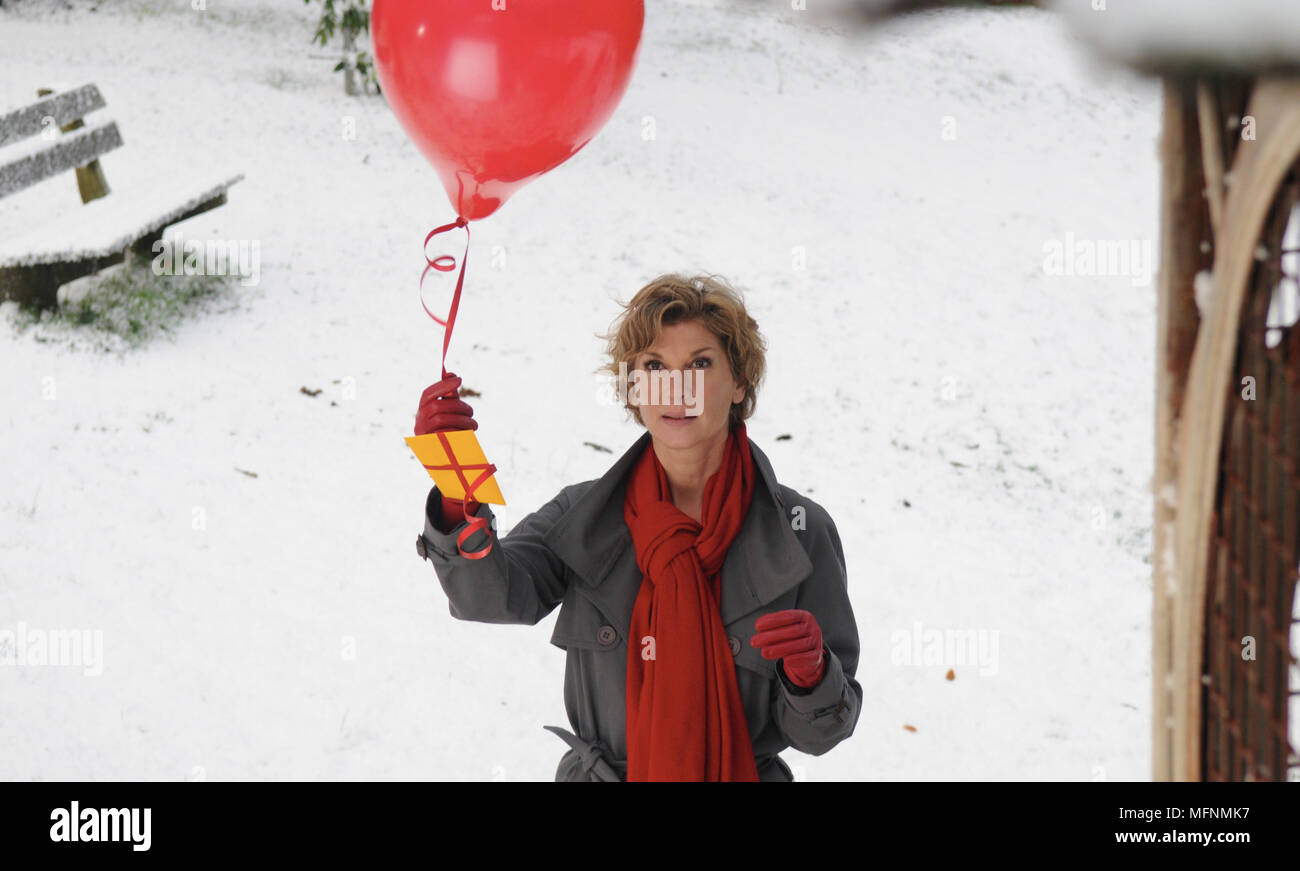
[{"x": 696, "y": 390}]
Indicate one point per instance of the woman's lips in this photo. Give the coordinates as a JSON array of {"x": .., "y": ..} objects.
[{"x": 681, "y": 420}]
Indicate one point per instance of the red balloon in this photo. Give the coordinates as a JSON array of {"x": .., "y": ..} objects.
[{"x": 494, "y": 97}]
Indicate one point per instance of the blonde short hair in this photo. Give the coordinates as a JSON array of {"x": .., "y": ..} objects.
[{"x": 675, "y": 298}]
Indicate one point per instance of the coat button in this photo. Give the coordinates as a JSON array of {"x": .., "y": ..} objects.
[
  {"x": 606, "y": 635},
  {"x": 734, "y": 643},
  {"x": 420, "y": 547}
]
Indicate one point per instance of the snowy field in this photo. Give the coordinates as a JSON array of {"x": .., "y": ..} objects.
[{"x": 980, "y": 429}]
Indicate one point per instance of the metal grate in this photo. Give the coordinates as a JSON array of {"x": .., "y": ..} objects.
[{"x": 1254, "y": 558}]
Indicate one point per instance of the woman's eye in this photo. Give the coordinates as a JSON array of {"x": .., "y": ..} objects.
[{"x": 656, "y": 364}]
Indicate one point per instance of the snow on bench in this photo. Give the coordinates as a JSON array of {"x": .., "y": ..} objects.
[
  {"x": 1195, "y": 36},
  {"x": 111, "y": 225},
  {"x": 34, "y": 264}
]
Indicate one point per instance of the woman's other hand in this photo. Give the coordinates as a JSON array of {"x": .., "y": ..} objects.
[{"x": 795, "y": 637}]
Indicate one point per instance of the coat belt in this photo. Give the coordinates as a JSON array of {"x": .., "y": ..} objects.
[{"x": 592, "y": 753}]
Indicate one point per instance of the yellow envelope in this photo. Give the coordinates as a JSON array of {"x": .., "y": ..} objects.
[{"x": 466, "y": 454}]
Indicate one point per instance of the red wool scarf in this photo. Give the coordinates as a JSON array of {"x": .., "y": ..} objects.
[{"x": 685, "y": 719}]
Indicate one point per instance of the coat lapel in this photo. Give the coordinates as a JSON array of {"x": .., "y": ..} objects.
[{"x": 764, "y": 561}]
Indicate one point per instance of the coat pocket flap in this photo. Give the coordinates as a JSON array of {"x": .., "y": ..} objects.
[
  {"x": 742, "y": 630},
  {"x": 749, "y": 656},
  {"x": 581, "y": 624}
]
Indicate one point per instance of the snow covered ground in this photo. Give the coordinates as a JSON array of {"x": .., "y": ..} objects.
[{"x": 979, "y": 427}]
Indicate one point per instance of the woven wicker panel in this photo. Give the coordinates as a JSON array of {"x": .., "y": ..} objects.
[{"x": 1250, "y": 702}]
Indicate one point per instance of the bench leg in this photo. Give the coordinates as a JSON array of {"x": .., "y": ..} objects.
[
  {"x": 39, "y": 285},
  {"x": 90, "y": 178},
  {"x": 144, "y": 246}
]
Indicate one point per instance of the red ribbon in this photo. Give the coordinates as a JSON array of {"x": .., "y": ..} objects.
[
  {"x": 446, "y": 263},
  {"x": 438, "y": 264}
]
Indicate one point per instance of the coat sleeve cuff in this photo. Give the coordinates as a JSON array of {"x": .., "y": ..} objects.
[
  {"x": 443, "y": 544},
  {"x": 793, "y": 688},
  {"x": 827, "y": 693}
]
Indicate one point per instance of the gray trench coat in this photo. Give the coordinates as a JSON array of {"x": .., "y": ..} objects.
[{"x": 576, "y": 551}]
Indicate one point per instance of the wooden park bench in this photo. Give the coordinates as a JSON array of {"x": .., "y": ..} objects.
[{"x": 36, "y": 262}]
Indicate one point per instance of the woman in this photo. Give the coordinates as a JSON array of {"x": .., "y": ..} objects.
[{"x": 703, "y": 605}]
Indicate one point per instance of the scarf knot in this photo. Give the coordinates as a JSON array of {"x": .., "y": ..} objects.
[{"x": 671, "y": 534}]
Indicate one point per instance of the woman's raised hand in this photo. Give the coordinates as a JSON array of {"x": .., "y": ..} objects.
[{"x": 441, "y": 409}]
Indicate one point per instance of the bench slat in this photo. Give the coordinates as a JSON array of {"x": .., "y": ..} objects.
[
  {"x": 63, "y": 107},
  {"x": 73, "y": 150},
  {"x": 108, "y": 226}
]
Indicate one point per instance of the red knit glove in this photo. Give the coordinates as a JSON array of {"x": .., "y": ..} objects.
[
  {"x": 441, "y": 409},
  {"x": 794, "y": 638}
]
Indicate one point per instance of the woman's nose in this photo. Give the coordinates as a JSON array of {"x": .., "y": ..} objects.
[{"x": 671, "y": 386}]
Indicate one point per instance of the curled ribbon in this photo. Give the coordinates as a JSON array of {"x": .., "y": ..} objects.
[{"x": 446, "y": 263}]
